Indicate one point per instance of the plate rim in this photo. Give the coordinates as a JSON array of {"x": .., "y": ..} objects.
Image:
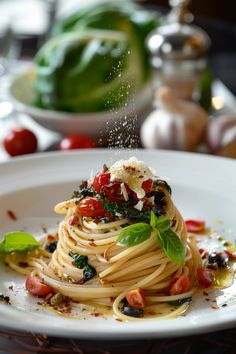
[{"x": 122, "y": 333}]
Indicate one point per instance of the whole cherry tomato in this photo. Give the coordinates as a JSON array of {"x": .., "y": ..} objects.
[
  {"x": 91, "y": 207},
  {"x": 20, "y": 141},
  {"x": 36, "y": 287},
  {"x": 72, "y": 142}
]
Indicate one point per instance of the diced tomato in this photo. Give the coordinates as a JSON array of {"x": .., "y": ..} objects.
[
  {"x": 114, "y": 193},
  {"x": 147, "y": 185},
  {"x": 136, "y": 298},
  {"x": 110, "y": 190},
  {"x": 205, "y": 276},
  {"x": 36, "y": 286},
  {"x": 180, "y": 286},
  {"x": 91, "y": 207},
  {"x": 195, "y": 226},
  {"x": 231, "y": 255}
]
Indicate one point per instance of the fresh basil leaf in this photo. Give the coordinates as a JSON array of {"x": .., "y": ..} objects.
[
  {"x": 162, "y": 241},
  {"x": 18, "y": 241},
  {"x": 134, "y": 234},
  {"x": 173, "y": 247},
  {"x": 161, "y": 223}
]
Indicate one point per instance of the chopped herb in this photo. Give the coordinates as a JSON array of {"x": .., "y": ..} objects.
[
  {"x": 79, "y": 260},
  {"x": 128, "y": 211},
  {"x": 180, "y": 301},
  {"x": 51, "y": 246},
  {"x": 89, "y": 272},
  {"x": 103, "y": 220},
  {"x": 82, "y": 193}
]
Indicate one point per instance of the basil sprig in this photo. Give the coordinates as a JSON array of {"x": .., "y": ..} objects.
[
  {"x": 18, "y": 241},
  {"x": 169, "y": 241}
]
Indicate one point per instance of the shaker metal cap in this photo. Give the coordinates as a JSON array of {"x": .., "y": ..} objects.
[{"x": 178, "y": 41}]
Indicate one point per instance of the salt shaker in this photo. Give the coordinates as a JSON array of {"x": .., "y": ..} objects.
[{"x": 178, "y": 52}]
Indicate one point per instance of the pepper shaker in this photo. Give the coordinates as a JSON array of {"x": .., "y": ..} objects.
[{"x": 178, "y": 52}]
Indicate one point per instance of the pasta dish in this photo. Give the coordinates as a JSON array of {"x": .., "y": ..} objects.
[{"x": 122, "y": 244}]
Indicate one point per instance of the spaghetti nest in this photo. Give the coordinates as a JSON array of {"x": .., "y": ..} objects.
[{"x": 116, "y": 269}]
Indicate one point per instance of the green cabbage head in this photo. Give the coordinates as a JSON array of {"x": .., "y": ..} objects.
[{"x": 96, "y": 59}]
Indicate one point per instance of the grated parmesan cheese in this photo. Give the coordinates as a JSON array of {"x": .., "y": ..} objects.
[{"x": 133, "y": 173}]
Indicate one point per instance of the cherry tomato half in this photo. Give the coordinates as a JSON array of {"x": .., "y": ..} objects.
[
  {"x": 195, "y": 226},
  {"x": 20, "y": 141},
  {"x": 231, "y": 255},
  {"x": 205, "y": 276},
  {"x": 36, "y": 287},
  {"x": 136, "y": 298},
  {"x": 180, "y": 286},
  {"x": 91, "y": 207},
  {"x": 72, "y": 142}
]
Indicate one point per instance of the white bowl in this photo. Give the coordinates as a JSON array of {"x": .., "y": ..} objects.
[{"x": 22, "y": 95}]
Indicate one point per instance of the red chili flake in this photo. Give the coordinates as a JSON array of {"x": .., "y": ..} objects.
[
  {"x": 23, "y": 264},
  {"x": 201, "y": 250},
  {"x": 195, "y": 226},
  {"x": 50, "y": 238},
  {"x": 207, "y": 299},
  {"x": 73, "y": 220},
  {"x": 96, "y": 314},
  {"x": 215, "y": 307},
  {"x": 205, "y": 293},
  {"x": 92, "y": 243},
  {"x": 11, "y": 215},
  {"x": 80, "y": 281}
]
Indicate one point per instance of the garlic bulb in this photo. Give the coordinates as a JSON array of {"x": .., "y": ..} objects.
[
  {"x": 176, "y": 124},
  {"x": 221, "y": 136}
]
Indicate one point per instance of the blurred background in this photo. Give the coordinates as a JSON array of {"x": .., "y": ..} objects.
[{"x": 26, "y": 25}]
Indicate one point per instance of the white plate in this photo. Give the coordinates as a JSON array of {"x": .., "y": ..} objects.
[
  {"x": 22, "y": 95},
  {"x": 203, "y": 187}
]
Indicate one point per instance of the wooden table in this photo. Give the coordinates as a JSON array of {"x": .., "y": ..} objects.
[{"x": 223, "y": 342}]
